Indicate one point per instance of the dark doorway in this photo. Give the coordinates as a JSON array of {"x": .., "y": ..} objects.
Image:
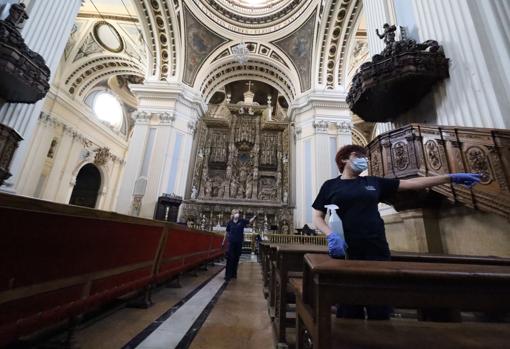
[{"x": 87, "y": 187}]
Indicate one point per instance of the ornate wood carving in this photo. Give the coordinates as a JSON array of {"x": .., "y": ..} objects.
[
  {"x": 426, "y": 150},
  {"x": 24, "y": 72},
  {"x": 397, "y": 78},
  {"x": 9, "y": 140}
]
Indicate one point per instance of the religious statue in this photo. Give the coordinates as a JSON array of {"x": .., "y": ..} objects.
[
  {"x": 17, "y": 15},
  {"x": 221, "y": 190},
  {"x": 194, "y": 193},
  {"x": 389, "y": 34},
  {"x": 233, "y": 188},
  {"x": 249, "y": 186},
  {"x": 285, "y": 227},
  {"x": 208, "y": 187},
  {"x": 285, "y": 197}
]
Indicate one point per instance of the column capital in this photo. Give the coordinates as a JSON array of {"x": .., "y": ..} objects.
[
  {"x": 141, "y": 117},
  {"x": 344, "y": 126},
  {"x": 321, "y": 126},
  {"x": 166, "y": 117}
]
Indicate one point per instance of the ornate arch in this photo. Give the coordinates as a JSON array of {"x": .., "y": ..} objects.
[
  {"x": 83, "y": 77},
  {"x": 228, "y": 70},
  {"x": 358, "y": 138},
  {"x": 162, "y": 32},
  {"x": 266, "y": 63},
  {"x": 336, "y": 29}
]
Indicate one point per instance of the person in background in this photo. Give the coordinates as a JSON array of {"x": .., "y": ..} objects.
[
  {"x": 235, "y": 236},
  {"x": 357, "y": 198}
]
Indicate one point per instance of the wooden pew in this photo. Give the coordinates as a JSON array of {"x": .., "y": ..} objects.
[
  {"x": 468, "y": 287},
  {"x": 289, "y": 263},
  {"x": 264, "y": 261},
  {"x": 59, "y": 261},
  {"x": 447, "y": 258}
]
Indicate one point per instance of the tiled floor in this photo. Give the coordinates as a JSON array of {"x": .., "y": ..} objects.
[
  {"x": 117, "y": 329},
  {"x": 170, "y": 333},
  {"x": 239, "y": 319}
]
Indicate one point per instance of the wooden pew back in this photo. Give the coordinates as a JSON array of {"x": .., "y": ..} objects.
[{"x": 58, "y": 261}]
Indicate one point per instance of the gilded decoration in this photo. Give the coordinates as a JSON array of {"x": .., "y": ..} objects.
[{"x": 242, "y": 161}]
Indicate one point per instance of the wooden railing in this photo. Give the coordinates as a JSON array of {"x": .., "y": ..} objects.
[
  {"x": 293, "y": 239},
  {"x": 427, "y": 150}
]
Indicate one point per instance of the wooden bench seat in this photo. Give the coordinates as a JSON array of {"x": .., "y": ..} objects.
[
  {"x": 288, "y": 263},
  {"x": 405, "y": 334},
  {"x": 410, "y": 285}
]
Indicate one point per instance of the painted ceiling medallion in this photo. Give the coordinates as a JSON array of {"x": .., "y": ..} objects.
[
  {"x": 254, "y": 17},
  {"x": 108, "y": 37}
]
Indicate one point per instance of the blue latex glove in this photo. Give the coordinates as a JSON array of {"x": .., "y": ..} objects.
[
  {"x": 468, "y": 179},
  {"x": 336, "y": 245}
]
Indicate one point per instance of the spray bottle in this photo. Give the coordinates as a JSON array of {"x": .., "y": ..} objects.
[{"x": 335, "y": 223}]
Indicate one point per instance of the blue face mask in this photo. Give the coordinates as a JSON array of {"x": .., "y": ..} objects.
[{"x": 359, "y": 165}]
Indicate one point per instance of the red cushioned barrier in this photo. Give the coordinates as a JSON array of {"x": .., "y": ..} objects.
[
  {"x": 183, "y": 250},
  {"x": 62, "y": 246},
  {"x": 58, "y": 261}
]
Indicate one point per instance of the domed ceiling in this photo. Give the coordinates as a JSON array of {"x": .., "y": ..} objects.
[
  {"x": 295, "y": 45},
  {"x": 254, "y": 17}
]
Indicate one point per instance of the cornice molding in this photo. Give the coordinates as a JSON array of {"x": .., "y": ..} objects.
[
  {"x": 313, "y": 99},
  {"x": 169, "y": 91}
]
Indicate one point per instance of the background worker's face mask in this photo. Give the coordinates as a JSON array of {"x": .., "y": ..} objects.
[{"x": 359, "y": 165}]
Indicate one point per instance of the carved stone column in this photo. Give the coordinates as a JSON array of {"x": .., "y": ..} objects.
[
  {"x": 322, "y": 124},
  {"x": 160, "y": 148}
]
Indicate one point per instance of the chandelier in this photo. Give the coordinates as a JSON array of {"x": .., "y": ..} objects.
[{"x": 241, "y": 52}]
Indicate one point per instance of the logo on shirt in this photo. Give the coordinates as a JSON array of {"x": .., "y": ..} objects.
[{"x": 370, "y": 187}]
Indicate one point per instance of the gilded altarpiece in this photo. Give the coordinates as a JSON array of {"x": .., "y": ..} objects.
[{"x": 242, "y": 161}]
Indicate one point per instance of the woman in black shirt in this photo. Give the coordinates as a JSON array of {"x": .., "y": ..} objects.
[{"x": 358, "y": 198}]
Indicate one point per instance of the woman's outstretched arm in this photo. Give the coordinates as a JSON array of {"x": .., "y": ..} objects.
[{"x": 468, "y": 179}]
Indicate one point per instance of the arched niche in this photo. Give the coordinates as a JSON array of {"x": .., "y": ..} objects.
[{"x": 86, "y": 190}]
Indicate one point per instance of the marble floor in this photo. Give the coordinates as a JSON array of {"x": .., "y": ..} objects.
[
  {"x": 239, "y": 318},
  {"x": 118, "y": 328},
  {"x": 213, "y": 315}
]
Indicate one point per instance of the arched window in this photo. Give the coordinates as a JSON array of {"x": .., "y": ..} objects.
[
  {"x": 86, "y": 189},
  {"x": 107, "y": 108}
]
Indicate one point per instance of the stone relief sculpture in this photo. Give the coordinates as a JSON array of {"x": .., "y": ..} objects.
[
  {"x": 194, "y": 193},
  {"x": 240, "y": 162}
]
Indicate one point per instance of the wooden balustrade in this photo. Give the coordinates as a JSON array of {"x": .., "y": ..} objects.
[
  {"x": 294, "y": 239},
  {"x": 426, "y": 150}
]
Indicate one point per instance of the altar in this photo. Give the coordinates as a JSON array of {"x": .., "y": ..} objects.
[{"x": 242, "y": 161}]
